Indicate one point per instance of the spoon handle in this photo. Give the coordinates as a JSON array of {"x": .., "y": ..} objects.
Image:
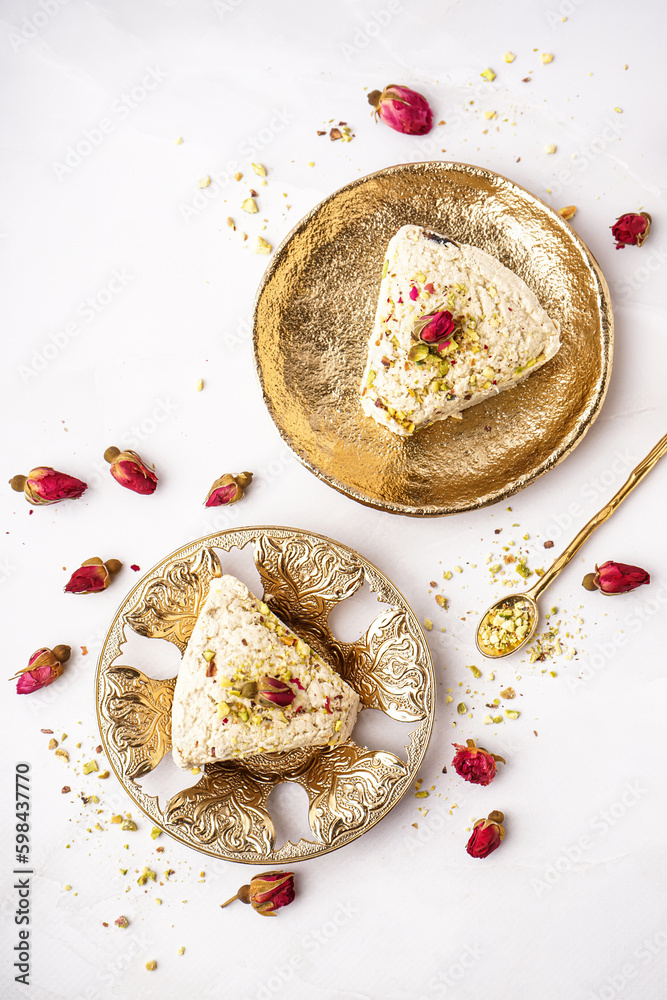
[{"x": 633, "y": 479}]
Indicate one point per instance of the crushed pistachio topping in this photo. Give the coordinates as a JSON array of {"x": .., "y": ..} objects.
[{"x": 505, "y": 626}]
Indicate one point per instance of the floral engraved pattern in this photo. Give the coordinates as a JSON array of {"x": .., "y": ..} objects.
[
  {"x": 226, "y": 808},
  {"x": 169, "y": 605},
  {"x": 140, "y": 712},
  {"x": 347, "y": 785},
  {"x": 387, "y": 669},
  {"x": 350, "y": 788}
]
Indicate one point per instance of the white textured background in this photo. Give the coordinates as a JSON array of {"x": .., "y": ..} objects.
[{"x": 124, "y": 286}]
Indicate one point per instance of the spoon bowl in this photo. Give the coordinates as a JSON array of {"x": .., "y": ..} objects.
[{"x": 507, "y": 626}]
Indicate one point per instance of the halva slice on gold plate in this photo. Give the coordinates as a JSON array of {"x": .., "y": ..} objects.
[
  {"x": 248, "y": 685},
  {"x": 453, "y": 326}
]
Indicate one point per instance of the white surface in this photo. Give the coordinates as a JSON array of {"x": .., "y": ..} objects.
[{"x": 572, "y": 905}]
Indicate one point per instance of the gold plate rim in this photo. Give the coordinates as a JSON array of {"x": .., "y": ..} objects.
[
  {"x": 565, "y": 446},
  {"x": 417, "y": 739}
]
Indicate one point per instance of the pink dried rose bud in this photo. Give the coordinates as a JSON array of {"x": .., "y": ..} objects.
[
  {"x": 92, "y": 576},
  {"x": 631, "y": 230},
  {"x": 274, "y": 692},
  {"x": 44, "y": 485},
  {"x": 44, "y": 667},
  {"x": 434, "y": 327},
  {"x": 616, "y": 578},
  {"x": 475, "y": 764},
  {"x": 228, "y": 489},
  {"x": 402, "y": 109},
  {"x": 267, "y": 892},
  {"x": 131, "y": 471},
  {"x": 486, "y": 835}
]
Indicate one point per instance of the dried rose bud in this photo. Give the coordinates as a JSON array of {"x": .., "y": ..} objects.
[
  {"x": 486, "y": 835},
  {"x": 130, "y": 471},
  {"x": 92, "y": 576},
  {"x": 616, "y": 578},
  {"x": 475, "y": 764},
  {"x": 631, "y": 230},
  {"x": 434, "y": 327},
  {"x": 267, "y": 892},
  {"x": 44, "y": 485},
  {"x": 402, "y": 109},
  {"x": 228, "y": 489},
  {"x": 272, "y": 691},
  {"x": 44, "y": 667}
]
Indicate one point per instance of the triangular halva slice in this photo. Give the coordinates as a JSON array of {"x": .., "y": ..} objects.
[
  {"x": 248, "y": 685},
  {"x": 453, "y": 326}
]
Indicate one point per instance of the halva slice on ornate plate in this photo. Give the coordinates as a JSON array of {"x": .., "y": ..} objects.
[
  {"x": 248, "y": 685},
  {"x": 453, "y": 326}
]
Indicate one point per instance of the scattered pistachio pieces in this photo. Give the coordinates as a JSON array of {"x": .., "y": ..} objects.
[
  {"x": 122, "y": 921},
  {"x": 53, "y": 744},
  {"x": 179, "y": 140},
  {"x": 511, "y": 713},
  {"x": 509, "y": 57},
  {"x": 568, "y": 212},
  {"x": 476, "y": 672},
  {"x": 259, "y": 169},
  {"x": 200, "y": 385},
  {"x": 263, "y": 246},
  {"x": 488, "y": 74},
  {"x": 128, "y": 824},
  {"x": 90, "y": 766},
  {"x": 547, "y": 57},
  {"x": 550, "y": 148},
  {"x": 146, "y": 874},
  {"x": 249, "y": 205},
  {"x": 155, "y": 832},
  {"x": 442, "y": 601},
  {"x": 62, "y": 754},
  {"x": 461, "y": 708},
  {"x": 490, "y": 114},
  {"x": 151, "y": 966},
  {"x": 428, "y": 624},
  {"x": 204, "y": 181},
  {"x": 508, "y": 692},
  {"x": 505, "y": 626}
]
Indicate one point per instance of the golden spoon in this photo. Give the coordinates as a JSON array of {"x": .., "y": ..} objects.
[{"x": 511, "y": 622}]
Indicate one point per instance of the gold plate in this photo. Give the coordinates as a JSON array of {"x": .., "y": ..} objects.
[
  {"x": 350, "y": 788},
  {"x": 314, "y": 312}
]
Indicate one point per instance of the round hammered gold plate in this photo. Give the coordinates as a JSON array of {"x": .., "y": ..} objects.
[
  {"x": 314, "y": 312},
  {"x": 223, "y": 811}
]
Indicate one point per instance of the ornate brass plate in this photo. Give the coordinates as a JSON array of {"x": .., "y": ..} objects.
[
  {"x": 315, "y": 308},
  {"x": 350, "y": 788}
]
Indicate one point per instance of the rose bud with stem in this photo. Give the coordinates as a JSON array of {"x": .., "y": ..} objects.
[
  {"x": 44, "y": 667},
  {"x": 44, "y": 485},
  {"x": 92, "y": 576},
  {"x": 130, "y": 471},
  {"x": 266, "y": 892}
]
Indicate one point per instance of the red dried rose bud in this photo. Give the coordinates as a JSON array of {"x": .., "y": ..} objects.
[
  {"x": 44, "y": 485},
  {"x": 267, "y": 892},
  {"x": 44, "y": 667},
  {"x": 402, "y": 109},
  {"x": 475, "y": 764},
  {"x": 616, "y": 578},
  {"x": 92, "y": 576},
  {"x": 275, "y": 692},
  {"x": 131, "y": 471},
  {"x": 434, "y": 327},
  {"x": 631, "y": 230},
  {"x": 228, "y": 489},
  {"x": 486, "y": 835}
]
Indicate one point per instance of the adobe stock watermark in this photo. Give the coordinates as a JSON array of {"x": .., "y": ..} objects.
[
  {"x": 374, "y": 26},
  {"x": 309, "y": 946},
  {"x": 624, "y": 288},
  {"x": 615, "y": 984},
  {"x": 222, "y": 7},
  {"x": 251, "y": 146},
  {"x": 122, "y": 107},
  {"x": 595, "y": 488},
  {"x": 86, "y": 312},
  {"x": 450, "y": 977},
  {"x": 583, "y": 156},
  {"x": 136, "y": 943},
  {"x": 563, "y": 11},
  {"x": 31, "y": 26},
  {"x": 600, "y": 825},
  {"x": 604, "y": 652}
]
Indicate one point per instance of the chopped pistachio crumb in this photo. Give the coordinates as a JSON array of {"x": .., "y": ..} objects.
[
  {"x": 476, "y": 672},
  {"x": 511, "y": 713},
  {"x": 128, "y": 824},
  {"x": 204, "y": 181},
  {"x": 550, "y": 148},
  {"x": 461, "y": 708},
  {"x": 151, "y": 966},
  {"x": 250, "y": 206},
  {"x": 90, "y": 766},
  {"x": 181, "y": 950},
  {"x": 259, "y": 169},
  {"x": 447, "y": 575},
  {"x": 200, "y": 385},
  {"x": 155, "y": 832},
  {"x": 547, "y": 57},
  {"x": 263, "y": 246},
  {"x": 509, "y": 57},
  {"x": 428, "y": 624},
  {"x": 488, "y": 74}
]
